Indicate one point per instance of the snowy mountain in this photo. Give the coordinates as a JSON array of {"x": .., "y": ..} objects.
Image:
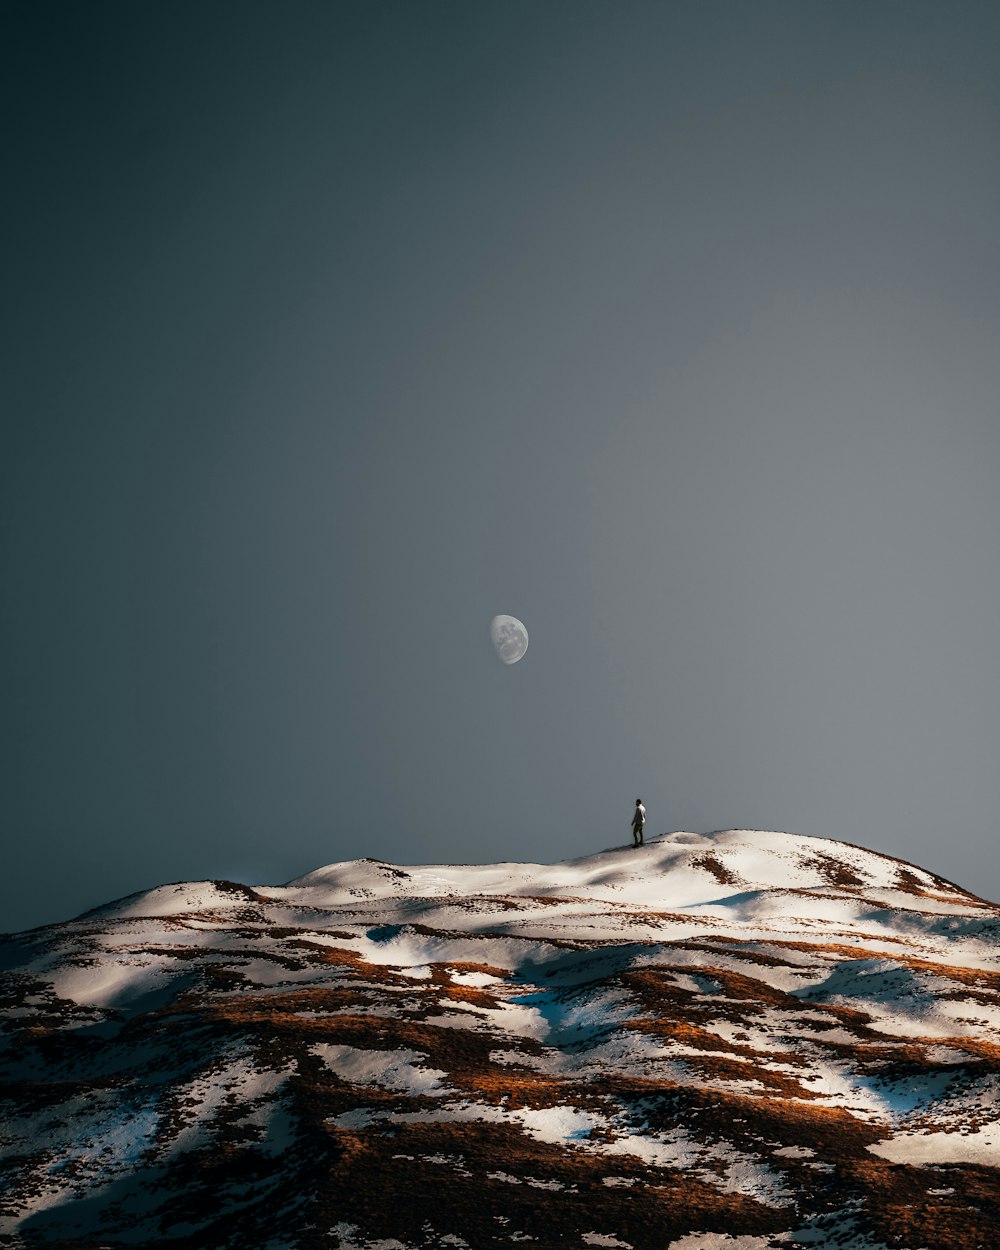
[{"x": 730, "y": 1040}]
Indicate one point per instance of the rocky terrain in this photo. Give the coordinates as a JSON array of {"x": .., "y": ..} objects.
[{"x": 732, "y": 1040}]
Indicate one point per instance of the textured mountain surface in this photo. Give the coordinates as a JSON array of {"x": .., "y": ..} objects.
[{"x": 732, "y": 1040}]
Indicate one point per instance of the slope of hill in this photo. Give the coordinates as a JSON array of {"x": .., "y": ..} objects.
[{"x": 738, "y": 1039}]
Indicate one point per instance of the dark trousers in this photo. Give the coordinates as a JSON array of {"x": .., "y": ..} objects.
[{"x": 637, "y": 833}]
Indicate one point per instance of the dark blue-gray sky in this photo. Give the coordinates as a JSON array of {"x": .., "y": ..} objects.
[{"x": 330, "y": 330}]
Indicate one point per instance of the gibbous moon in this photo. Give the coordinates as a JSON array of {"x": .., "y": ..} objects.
[{"x": 509, "y": 637}]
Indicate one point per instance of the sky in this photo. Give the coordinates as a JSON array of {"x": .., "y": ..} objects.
[{"x": 331, "y": 330}]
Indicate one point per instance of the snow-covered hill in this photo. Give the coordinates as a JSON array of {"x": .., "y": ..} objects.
[{"x": 738, "y": 1039}]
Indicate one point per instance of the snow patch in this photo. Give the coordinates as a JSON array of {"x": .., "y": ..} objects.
[
  {"x": 725, "y": 1241},
  {"x": 391, "y": 1069},
  {"x": 917, "y": 1149}
]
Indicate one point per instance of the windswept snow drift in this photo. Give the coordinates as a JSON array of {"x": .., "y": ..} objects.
[{"x": 734, "y": 1039}]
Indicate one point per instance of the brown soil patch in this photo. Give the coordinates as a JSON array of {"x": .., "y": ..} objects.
[
  {"x": 833, "y": 871},
  {"x": 711, "y": 863}
]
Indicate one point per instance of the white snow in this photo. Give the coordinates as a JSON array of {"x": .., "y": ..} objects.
[
  {"x": 478, "y": 980},
  {"x": 392, "y": 1069},
  {"x": 115, "y": 982},
  {"x": 981, "y": 1147},
  {"x": 725, "y": 1241}
]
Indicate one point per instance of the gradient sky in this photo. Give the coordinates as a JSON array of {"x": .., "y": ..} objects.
[{"x": 331, "y": 329}]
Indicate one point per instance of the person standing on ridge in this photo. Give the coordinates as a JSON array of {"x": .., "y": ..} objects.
[{"x": 638, "y": 821}]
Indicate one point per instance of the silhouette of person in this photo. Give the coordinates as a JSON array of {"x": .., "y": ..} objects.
[{"x": 638, "y": 821}]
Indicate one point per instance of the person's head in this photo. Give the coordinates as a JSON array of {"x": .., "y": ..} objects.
[{"x": 638, "y": 802}]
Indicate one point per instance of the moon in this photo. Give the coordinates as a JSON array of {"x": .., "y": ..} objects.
[{"x": 509, "y": 637}]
